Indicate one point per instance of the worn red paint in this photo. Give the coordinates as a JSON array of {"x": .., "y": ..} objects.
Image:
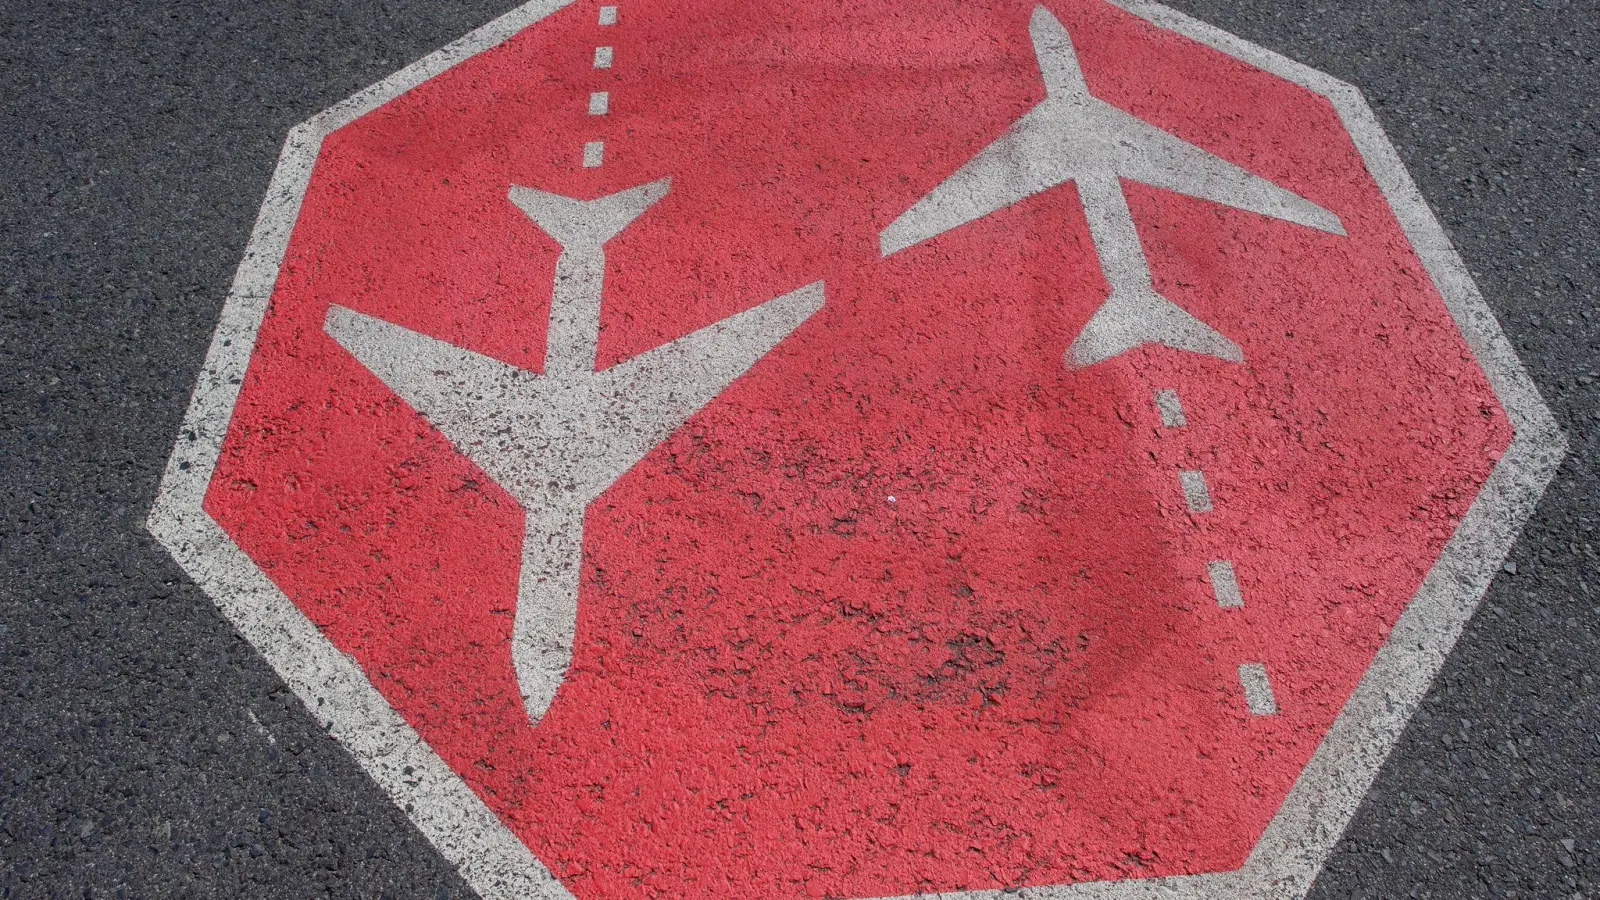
[{"x": 784, "y": 683}]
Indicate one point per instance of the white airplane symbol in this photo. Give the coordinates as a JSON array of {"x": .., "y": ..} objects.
[
  {"x": 1072, "y": 136},
  {"x": 556, "y": 440}
]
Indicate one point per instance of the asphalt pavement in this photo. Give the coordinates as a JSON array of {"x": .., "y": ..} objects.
[{"x": 147, "y": 751}]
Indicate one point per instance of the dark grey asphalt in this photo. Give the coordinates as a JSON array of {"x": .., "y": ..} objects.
[{"x": 146, "y": 751}]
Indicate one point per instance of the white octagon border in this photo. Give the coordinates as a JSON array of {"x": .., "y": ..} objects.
[{"x": 499, "y": 866}]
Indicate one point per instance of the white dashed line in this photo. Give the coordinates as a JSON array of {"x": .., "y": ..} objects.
[
  {"x": 1170, "y": 408},
  {"x": 1224, "y": 585},
  {"x": 1224, "y": 581},
  {"x": 1194, "y": 490},
  {"x": 594, "y": 152},
  {"x": 1257, "y": 689}
]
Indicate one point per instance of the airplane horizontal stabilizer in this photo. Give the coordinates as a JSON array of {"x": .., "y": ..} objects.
[
  {"x": 581, "y": 224},
  {"x": 1136, "y": 316}
]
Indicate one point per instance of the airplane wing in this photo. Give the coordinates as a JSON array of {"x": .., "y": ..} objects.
[
  {"x": 1055, "y": 143},
  {"x": 466, "y": 395},
  {"x": 515, "y": 424},
  {"x": 656, "y": 391},
  {"x": 1142, "y": 152},
  {"x": 1001, "y": 174}
]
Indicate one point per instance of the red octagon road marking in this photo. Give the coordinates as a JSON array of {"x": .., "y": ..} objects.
[{"x": 919, "y": 596}]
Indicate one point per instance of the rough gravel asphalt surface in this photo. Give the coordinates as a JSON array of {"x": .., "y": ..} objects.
[{"x": 147, "y": 751}]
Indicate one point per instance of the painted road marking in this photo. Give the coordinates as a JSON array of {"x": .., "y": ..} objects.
[
  {"x": 1257, "y": 689},
  {"x": 1075, "y": 136},
  {"x": 554, "y": 466},
  {"x": 1195, "y": 493},
  {"x": 756, "y": 541},
  {"x": 1170, "y": 407},
  {"x": 1224, "y": 586},
  {"x": 600, "y": 101}
]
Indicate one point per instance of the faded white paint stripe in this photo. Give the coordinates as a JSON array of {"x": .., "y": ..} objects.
[
  {"x": 599, "y": 103},
  {"x": 1195, "y": 493},
  {"x": 594, "y": 154},
  {"x": 1257, "y": 689},
  {"x": 1223, "y": 583},
  {"x": 603, "y": 57},
  {"x": 608, "y": 15},
  {"x": 1170, "y": 407}
]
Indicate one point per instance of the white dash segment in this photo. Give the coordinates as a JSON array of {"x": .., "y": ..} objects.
[
  {"x": 1195, "y": 493},
  {"x": 603, "y": 57},
  {"x": 1257, "y": 689},
  {"x": 608, "y": 15},
  {"x": 599, "y": 103},
  {"x": 1170, "y": 407},
  {"x": 594, "y": 153},
  {"x": 1224, "y": 584}
]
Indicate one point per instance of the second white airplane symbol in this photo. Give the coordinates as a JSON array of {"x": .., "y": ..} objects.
[{"x": 1073, "y": 136}]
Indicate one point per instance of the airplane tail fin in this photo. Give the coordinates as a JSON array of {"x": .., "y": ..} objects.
[
  {"x": 578, "y": 224},
  {"x": 1136, "y": 316},
  {"x": 1058, "y": 61}
]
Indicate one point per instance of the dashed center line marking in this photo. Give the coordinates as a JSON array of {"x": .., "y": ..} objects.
[
  {"x": 594, "y": 152},
  {"x": 1224, "y": 581},
  {"x": 1195, "y": 493},
  {"x": 1170, "y": 407},
  {"x": 1257, "y": 689},
  {"x": 1224, "y": 584}
]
